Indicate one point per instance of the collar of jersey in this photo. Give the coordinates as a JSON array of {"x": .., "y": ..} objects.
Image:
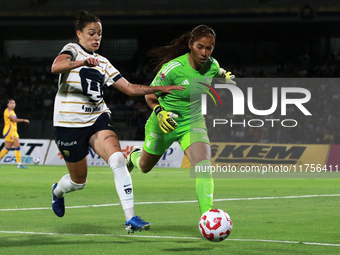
[
  {"x": 202, "y": 67},
  {"x": 89, "y": 52}
]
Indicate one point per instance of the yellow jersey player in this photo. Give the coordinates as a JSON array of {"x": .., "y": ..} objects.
[{"x": 10, "y": 132}]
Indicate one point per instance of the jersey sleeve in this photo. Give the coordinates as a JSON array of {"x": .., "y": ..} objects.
[
  {"x": 70, "y": 49},
  {"x": 111, "y": 74},
  {"x": 6, "y": 114}
]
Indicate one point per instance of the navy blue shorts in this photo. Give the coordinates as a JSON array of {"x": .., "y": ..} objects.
[{"x": 73, "y": 143}]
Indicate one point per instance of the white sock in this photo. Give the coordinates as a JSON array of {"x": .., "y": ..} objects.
[
  {"x": 123, "y": 183},
  {"x": 66, "y": 185}
]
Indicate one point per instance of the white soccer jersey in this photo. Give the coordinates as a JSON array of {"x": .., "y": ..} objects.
[{"x": 79, "y": 100}]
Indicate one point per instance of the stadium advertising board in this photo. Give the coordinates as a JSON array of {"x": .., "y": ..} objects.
[
  {"x": 333, "y": 159},
  {"x": 252, "y": 158},
  {"x": 30, "y": 148},
  {"x": 239, "y": 154},
  {"x": 171, "y": 158}
]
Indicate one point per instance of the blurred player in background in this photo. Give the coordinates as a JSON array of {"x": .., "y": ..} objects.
[
  {"x": 189, "y": 56},
  {"x": 82, "y": 118},
  {"x": 10, "y": 133}
]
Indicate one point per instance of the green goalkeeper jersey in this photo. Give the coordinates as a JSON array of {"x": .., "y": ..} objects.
[{"x": 187, "y": 103}]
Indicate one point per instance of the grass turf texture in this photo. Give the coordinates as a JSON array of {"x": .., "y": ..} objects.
[{"x": 100, "y": 230}]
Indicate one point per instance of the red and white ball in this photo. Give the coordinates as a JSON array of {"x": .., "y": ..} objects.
[
  {"x": 36, "y": 161},
  {"x": 215, "y": 225}
]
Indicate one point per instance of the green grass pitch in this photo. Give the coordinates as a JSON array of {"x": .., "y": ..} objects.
[{"x": 270, "y": 215}]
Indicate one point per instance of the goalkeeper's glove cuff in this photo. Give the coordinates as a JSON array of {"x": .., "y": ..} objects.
[{"x": 157, "y": 109}]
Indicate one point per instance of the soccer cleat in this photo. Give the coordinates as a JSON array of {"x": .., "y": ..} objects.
[
  {"x": 136, "y": 224},
  {"x": 128, "y": 160},
  {"x": 22, "y": 166},
  {"x": 58, "y": 204}
]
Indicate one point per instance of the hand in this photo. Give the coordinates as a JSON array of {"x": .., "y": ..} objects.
[
  {"x": 165, "y": 119},
  {"x": 167, "y": 89},
  {"x": 228, "y": 76},
  {"x": 91, "y": 62}
]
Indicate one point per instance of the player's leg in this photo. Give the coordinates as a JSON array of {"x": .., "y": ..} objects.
[
  {"x": 6, "y": 149},
  {"x": 196, "y": 146},
  {"x": 73, "y": 146},
  {"x": 17, "y": 152},
  {"x": 144, "y": 161},
  {"x": 155, "y": 144},
  {"x": 106, "y": 144},
  {"x": 75, "y": 180},
  {"x": 199, "y": 156}
]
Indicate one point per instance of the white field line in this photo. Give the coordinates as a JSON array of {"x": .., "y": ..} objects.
[
  {"x": 173, "y": 202},
  {"x": 166, "y": 237}
]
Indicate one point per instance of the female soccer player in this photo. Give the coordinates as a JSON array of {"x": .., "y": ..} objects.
[
  {"x": 82, "y": 118},
  {"x": 191, "y": 132},
  {"x": 11, "y": 134}
]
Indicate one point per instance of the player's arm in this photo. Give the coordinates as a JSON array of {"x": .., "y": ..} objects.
[
  {"x": 13, "y": 119},
  {"x": 151, "y": 100},
  {"x": 63, "y": 63},
  {"x": 140, "y": 90}
]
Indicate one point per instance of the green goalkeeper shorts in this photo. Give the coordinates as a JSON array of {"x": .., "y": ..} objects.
[{"x": 156, "y": 142}]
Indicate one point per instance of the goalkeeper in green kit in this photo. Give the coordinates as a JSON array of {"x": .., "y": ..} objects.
[{"x": 177, "y": 116}]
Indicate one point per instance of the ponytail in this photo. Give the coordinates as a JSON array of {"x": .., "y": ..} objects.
[{"x": 161, "y": 55}]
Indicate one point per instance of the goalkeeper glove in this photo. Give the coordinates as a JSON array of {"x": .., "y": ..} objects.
[
  {"x": 228, "y": 77},
  {"x": 165, "y": 119}
]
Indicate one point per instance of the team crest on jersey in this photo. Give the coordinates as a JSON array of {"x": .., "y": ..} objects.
[{"x": 162, "y": 76}]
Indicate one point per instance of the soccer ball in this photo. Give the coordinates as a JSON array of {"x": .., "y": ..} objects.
[
  {"x": 215, "y": 225},
  {"x": 36, "y": 161}
]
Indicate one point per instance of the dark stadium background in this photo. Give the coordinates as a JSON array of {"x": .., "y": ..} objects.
[{"x": 255, "y": 38}]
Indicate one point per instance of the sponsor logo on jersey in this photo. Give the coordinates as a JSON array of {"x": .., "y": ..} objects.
[{"x": 66, "y": 144}]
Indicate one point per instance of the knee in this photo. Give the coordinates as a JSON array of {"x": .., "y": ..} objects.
[
  {"x": 116, "y": 160},
  {"x": 144, "y": 166}
]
